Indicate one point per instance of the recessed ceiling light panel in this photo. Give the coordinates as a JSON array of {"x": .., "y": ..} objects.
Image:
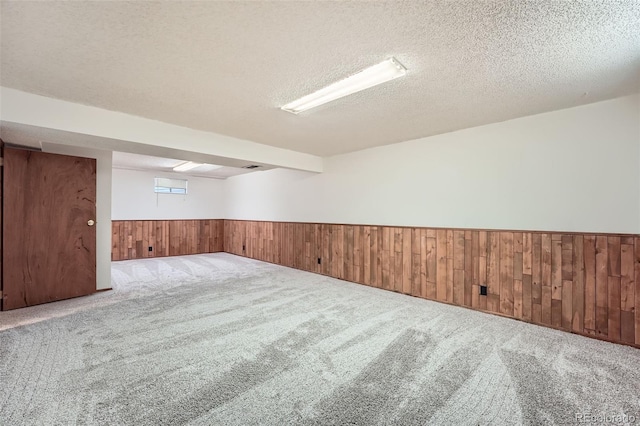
[
  {"x": 190, "y": 165},
  {"x": 186, "y": 166},
  {"x": 369, "y": 77}
]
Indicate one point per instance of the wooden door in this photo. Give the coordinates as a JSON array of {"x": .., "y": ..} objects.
[{"x": 49, "y": 244}]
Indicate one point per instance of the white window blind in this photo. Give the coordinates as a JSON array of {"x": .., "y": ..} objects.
[{"x": 170, "y": 186}]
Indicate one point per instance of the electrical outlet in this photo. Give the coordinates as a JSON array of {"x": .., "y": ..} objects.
[
  {"x": 243, "y": 248},
  {"x": 483, "y": 290},
  {"x": 150, "y": 248},
  {"x": 319, "y": 261}
]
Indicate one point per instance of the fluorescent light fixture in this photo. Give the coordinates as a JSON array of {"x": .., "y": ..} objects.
[
  {"x": 186, "y": 166},
  {"x": 369, "y": 77}
]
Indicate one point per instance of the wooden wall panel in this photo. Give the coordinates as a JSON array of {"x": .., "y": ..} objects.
[
  {"x": 637, "y": 289},
  {"x": 430, "y": 258},
  {"x": 581, "y": 283},
  {"x": 1, "y": 208},
  {"x": 131, "y": 239}
]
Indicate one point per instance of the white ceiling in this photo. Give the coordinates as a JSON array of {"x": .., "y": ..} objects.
[
  {"x": 227, "y": 67},
  {"x": 122, "y": 160}
]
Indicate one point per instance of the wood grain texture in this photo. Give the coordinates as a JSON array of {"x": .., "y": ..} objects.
[
  {"x": 458, "y": 267},
  {"x": 562, "y": 280},
  {"x": 468, "y": 268},
  {"x": 506, "y": 273},
  {"x": 536, "y": 277},
  {"x": 578, "y": 293},
  {"x": 131, "y": 239},
  {"x": 546, "y": 278},
  {"x": 375, "y": 265},
  {"x": 627, "y": 282},
  {"x": 431, "y": 259},
  {"x": 1, "y": 238},
  {"x": 482, "y": 268},
  {"x": 493, "y": 277},
  {"x": 49, "y": 248},
  {"x": 406, "y": 261},
  {"x": 441, "y": 266},
  {"x": 589, "y": 254},
  {"x": 636, "y": 261}
]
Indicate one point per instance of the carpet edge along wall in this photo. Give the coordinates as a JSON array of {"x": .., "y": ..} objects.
[{"x": 585, "y": 283}]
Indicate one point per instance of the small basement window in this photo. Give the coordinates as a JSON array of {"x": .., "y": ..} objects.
[{"x": 170, "y": 186}]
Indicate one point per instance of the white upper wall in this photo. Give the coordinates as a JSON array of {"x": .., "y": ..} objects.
[
  {"x": 569, "y": 170},
  {"x": 133, "y": 197}
]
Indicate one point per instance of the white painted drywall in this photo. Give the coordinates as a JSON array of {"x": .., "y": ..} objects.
[
  {"x": 569, "y": 170},
  {"x": 129, "y": 133},
  {"x": 103, "y": 206},
  {"x": 133, "y": 197}
]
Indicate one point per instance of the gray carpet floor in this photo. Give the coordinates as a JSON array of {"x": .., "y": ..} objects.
[{"x": 222, "y": 340}]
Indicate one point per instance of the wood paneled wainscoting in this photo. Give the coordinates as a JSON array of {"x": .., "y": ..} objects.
[
  {"x": 138, "y": 239},
  {"x": 581, "y": 283}
]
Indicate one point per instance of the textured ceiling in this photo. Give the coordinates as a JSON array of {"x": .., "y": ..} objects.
[{"x": 227, "y": 67}]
